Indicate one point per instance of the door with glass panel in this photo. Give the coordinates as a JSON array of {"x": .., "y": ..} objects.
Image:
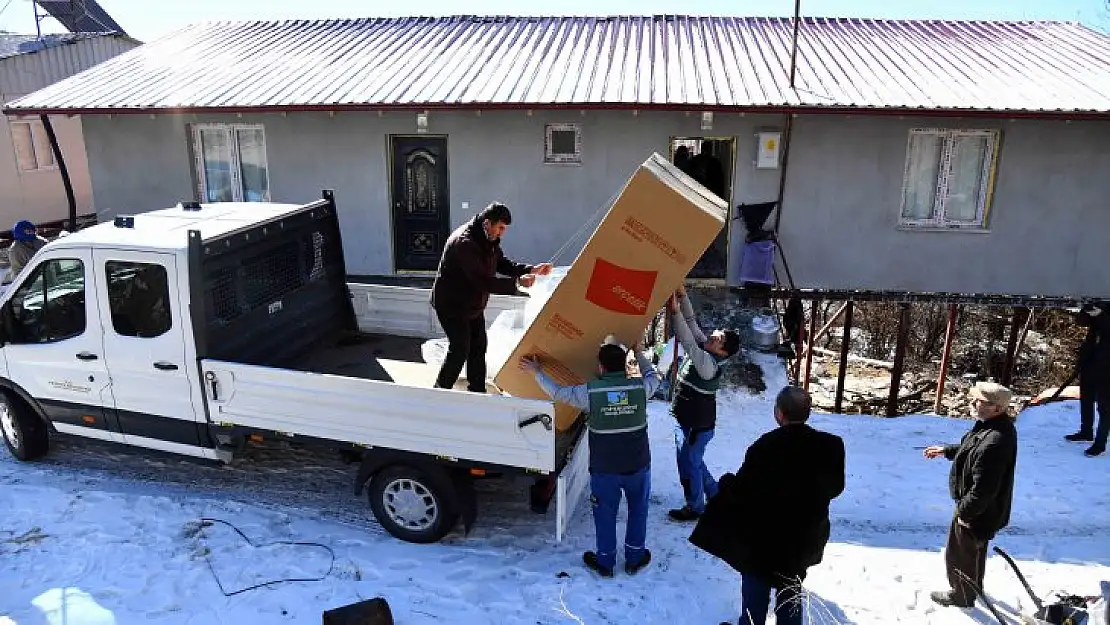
[{"x": 230, "y": 163}]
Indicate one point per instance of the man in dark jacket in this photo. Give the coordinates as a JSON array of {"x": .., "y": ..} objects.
[
  {"x": 1094, "y": 378},
  {"x": 770, "y": 521},
  {"x": 707, "y": 169},
  {"x": 468, "y": 274},
  {"x": 982, "y": 485},
  {"x": 695, "y": 402},
  {"x": 620, "y": 458},
  {"x": 26, "y": 242}
]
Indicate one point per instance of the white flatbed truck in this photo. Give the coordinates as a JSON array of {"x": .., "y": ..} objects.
[{"x": 194, "y": 329}]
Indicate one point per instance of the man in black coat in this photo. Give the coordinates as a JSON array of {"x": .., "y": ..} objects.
[
  {"x": 770, "y": 521},
  {"x": 1094, "y": 378},
  {"x": 468, "y": 274},
  {"x": 982, "y": 485}
]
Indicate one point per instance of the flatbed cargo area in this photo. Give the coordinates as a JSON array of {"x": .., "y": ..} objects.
[
  {"x": 377, "y": 357},
  {"x": 398, "y": 359}
]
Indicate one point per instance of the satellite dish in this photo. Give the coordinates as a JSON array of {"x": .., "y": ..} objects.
[{"x": 81, "y": 16}]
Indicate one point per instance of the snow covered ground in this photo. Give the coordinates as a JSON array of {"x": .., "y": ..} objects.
[{"x": 107, "y": 535}]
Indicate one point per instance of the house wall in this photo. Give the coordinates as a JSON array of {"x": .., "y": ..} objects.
[
  {"x": 40, "y": 195},
  {"x": 1047, "y": 234},
  {"x": 139, "y": 163},
  {"x": 1048, "y": 230}
]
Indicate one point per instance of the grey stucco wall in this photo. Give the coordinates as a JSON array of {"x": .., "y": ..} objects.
[
  {"x": 1049, "y": 225},
  {"x": 1049, "y": 230},
  {"x": 139, "y": 163}
]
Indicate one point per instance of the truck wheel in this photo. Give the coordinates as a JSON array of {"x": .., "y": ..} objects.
[
  {"x": 24, "y": 433},
  {"x": 413, "y": 504}
]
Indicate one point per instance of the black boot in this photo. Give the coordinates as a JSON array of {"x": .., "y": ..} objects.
[
  {"x": 1080, "y": 436},
  {"x": 590, "y": 558},
  {"x": 1095, "y": 450},
  {"x": 634, "y": 569},
  {"x": 685, "y": 513}
]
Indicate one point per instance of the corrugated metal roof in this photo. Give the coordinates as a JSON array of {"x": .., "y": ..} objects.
[
  {"x": 26, "y": 73},
  {"x": 15, "y": 45},
  {"x": 639, "y": 62}
]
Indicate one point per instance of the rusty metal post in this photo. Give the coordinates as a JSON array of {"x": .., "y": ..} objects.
[
  {"x": 809, "y": 343},
  {"x": 845, "y": 344},
  {"x": 1017, "y": 320},
  {"x": 798, "y": 344},
  {"x": 949, "y": 334},
  {"x": 813, "y": 338},
  {"x": 899, "y": 359}
]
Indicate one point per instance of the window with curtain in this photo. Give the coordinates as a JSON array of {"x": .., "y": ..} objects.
[
  {"x": 948, "y": 177},
  {"x": 230, "y": 162}
]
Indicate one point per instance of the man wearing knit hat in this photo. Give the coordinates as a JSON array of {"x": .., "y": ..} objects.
[
  {"x": 25, "y": 244},
  {"x": 982, "y": 484}
]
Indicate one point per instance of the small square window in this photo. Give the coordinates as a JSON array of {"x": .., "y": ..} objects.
[{"x": 563, "y": 144}]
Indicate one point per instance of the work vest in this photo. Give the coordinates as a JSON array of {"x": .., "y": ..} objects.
[
  {"x": 695, "y": 402},
  {"x": 618, "y": 424}
]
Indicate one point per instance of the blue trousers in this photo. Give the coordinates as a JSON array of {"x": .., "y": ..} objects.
[
  {"x": 605, "y": 496},
  {"x": 697, "y": 483},
  {"x": 755, "y": 593}
]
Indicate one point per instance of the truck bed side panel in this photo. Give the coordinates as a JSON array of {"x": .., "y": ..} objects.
[{"x": 448, "y": 423}]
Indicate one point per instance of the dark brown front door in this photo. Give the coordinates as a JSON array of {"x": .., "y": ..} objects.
[{"x": 421, "y": 202}]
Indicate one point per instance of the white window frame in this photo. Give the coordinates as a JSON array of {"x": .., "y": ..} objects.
[
  {"x": 236, "y": 165},
  {"x": 37, "y": 132},
  {"x": 552, "y": 158},
  {"x": 939, "y": 219}
]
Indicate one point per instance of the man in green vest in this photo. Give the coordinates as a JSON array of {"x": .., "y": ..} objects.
[
  {"x": 620, "y": 457},
  {"x": 695, "y": 402}
]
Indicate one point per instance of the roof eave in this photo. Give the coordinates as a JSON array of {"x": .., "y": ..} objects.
[{"x": 594, "y": 106}]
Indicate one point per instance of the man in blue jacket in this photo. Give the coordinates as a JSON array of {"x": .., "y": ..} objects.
[{"x": 620, "y": 457}]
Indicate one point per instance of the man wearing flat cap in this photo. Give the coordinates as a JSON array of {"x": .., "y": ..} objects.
[{"x": 982, "y": 484}]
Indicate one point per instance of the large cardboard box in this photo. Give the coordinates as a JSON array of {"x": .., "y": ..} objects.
[{"x": 642, "y": 250}]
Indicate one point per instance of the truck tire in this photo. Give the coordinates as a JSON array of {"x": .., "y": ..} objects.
[
  {"x": 26, "y": 436},
  {"x": 413, "y": 504}
]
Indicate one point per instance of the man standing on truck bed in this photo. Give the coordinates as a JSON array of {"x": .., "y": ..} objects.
[
  {"x": 620, "y": 456},
  {"x": 467, "y": 275},
  {"x": 695, "y": 402}
]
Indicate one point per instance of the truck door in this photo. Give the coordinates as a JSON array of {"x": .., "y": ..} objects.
[
  {"x": 144, "y": 345},
  {"x": 54, "y": 347}
]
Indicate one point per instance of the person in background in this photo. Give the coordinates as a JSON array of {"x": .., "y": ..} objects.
[
  {"x": 695, "y": 402},
  {"x": 982, "y": 485},
  {"x": 682, "y": 159},
  {"x": 620, "y": 457},
  {"x": 467, "y": 275},
  {"x": 1094, "y": 378},
  {"x": 25, "y": 244},
  {"x": 707, "y": 169},
  {"x": 770, "y": 521}
]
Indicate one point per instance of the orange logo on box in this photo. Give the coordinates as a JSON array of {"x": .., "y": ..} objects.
[{"x": 620, "y": 289}]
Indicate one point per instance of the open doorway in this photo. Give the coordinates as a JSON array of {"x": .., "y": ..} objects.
[{"x": 709, "y": 160}]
